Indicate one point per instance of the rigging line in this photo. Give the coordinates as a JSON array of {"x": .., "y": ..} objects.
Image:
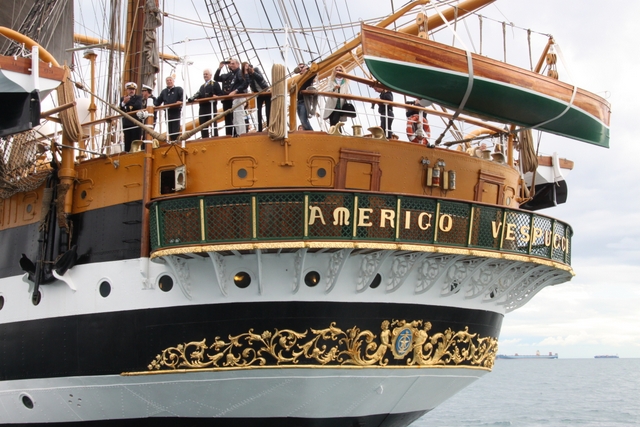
[
  {"x": 272, "y": 31},
  {"x": 304, "y": 34},
  {"x": 257, "y": 30},
  {"x": 282, "y": 25},
  {"x": 469, "y": 83},
  {"x": 353, "y": 34},
  {"x": 488, "y": 18},
  {"x": 335, "y": 42},
  {"x": 209, "y": 38},
  {"x": 227, "y": 39},
  {"x": 315, "y": 41},
  {"x": 466, "y": 27},
  {"x": 324, "y": 29},
  {"x": 293, "y": 40},
  {"x": 329, "y": 15}
]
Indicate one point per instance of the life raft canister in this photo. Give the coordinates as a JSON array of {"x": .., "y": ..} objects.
[{"x": 413, "y": 133}]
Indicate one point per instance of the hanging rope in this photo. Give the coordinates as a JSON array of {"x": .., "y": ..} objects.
[
  {"x": 278, "y": 121},
  {"x": 504, "y": 41},
  {"x": 480, "y": 25},
  {"x": 529, "y": 44},
  {"x": 528, "y": 157},
  {"x": 69, "y": 117}
]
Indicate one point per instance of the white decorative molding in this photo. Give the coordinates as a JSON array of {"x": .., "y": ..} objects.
[
  {"x": 433, "y": 271},
  {"x": 401, "y": 267},
  {"x": 370, "y": 266},
  {"x": 144, "y": 272},
  {"x": 218, "y": 266},
  {"x": 298, "y": 268},
  {"x": 485, "y": 276},
  {"x": 180, "y": 270},
  {"x": 521, "y": 295},
  {"x": 336, "y": 263},
  {"x": 259, "y": 260}
]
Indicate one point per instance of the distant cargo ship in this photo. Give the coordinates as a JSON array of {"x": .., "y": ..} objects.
[
  {"x": 529, "y": 356},
  {"x": 607, "y": 356}
]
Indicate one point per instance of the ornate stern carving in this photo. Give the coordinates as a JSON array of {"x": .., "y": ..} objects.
[
  {"x": 369, "y": 267},
  {"x": 433, "y": 271},
  {"x": 406, "y": 343},
  {"x": 400, "y": 269},
  {"x": 218, "y": 266},
  {"x": 336, "y": 263},
  {"x": 180, "y": 268},
  {"x": 298, "y": 268}
]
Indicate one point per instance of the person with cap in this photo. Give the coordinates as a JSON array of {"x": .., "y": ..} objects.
[
  {"x": 147, "y": 101},
  {"x": 207, "y": 90},
  {"x": 172, "y": 94},
  {"x": 128, "y": 103},
  {"x": 233, "y": 83}
]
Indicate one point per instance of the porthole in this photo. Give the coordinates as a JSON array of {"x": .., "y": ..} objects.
[
  {"x": 83, "y": 194},
  {"x": 26, "y": 401},
  {"x": 376, "y": 281},
  {"x": 242, "y": 173},
  {"x": 312, "y": 278},
  {"x": 322, "y": 172},
  {"x": 242, "y": 279},
  {"x": 36, "y": 297},
  {"x": 105, "y": 289},
  {"x": 1, "y": 302},
  {"x": 29, "y": 208},
  {"x": 165, "y": 283}
]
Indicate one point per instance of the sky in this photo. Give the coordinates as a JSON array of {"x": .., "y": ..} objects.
[{"x": 596, "y": 312}]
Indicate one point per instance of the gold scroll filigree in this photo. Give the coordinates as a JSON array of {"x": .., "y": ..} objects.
[{"x": 404, "y": 341}]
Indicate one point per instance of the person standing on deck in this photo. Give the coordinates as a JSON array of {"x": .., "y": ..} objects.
[
  {"x": 233, "y": 83},
  {"x": 128, "y": 103},
  {"x": 385, "y": 110},
  {"x": 170, "y": 95},
  {"x": 303, "y": 113},
  {"x": 148, "y": 101},
  {"x": 332, "y": 107},
  {"x": 207, "y": 90},
  {"x": 258, "y": 83}
]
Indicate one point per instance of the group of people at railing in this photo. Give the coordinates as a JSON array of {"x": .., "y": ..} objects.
[{"x": 240, "y": 78}]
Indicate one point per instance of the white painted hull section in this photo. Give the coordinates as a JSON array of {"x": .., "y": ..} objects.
[
  {"x": 435, "y": 279},
  {"x": 258, "y": 393}
]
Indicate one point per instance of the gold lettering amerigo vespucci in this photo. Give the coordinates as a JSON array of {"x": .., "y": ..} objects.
[{"x": 400, "y": 343}]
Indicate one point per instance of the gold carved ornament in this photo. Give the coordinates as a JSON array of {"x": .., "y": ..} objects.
[{"x": 400, "y": 339}]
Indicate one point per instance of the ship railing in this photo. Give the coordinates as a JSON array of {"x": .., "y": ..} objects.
[
  {"x": 304, "y": 217},
  {"x": 411, "y": 123},
  {"x": 416, "y": 122}
]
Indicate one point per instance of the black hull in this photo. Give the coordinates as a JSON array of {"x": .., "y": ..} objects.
[
  {"x": 390, "y": 420},
  {"x": 128, "y": 341}
]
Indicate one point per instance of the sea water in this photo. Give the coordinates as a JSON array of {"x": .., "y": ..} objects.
[{"x": 550, "y": 393}]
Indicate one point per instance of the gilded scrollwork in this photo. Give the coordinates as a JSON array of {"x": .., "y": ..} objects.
[{"x": 409, "y": 343}]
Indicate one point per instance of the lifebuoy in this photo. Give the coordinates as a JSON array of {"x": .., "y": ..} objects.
[{"x": 412, "y": 129}]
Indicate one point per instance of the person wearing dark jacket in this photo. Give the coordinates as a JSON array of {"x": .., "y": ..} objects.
[
  {"x": 258, "y": 83},
  {"x": 170, "y": 95},
  {"x": 232, "y": 83},
  {"x": 207, "y": 90},
  {"x": 386, "y": 111},
  {"x": 301, "y": 108},
  {"x": 128, "y": 103}
]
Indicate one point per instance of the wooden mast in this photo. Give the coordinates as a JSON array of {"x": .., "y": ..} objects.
[{"x": 134, "y": 43}]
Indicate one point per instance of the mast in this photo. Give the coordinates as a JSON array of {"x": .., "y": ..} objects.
[{"x": 134, "y": 42}]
